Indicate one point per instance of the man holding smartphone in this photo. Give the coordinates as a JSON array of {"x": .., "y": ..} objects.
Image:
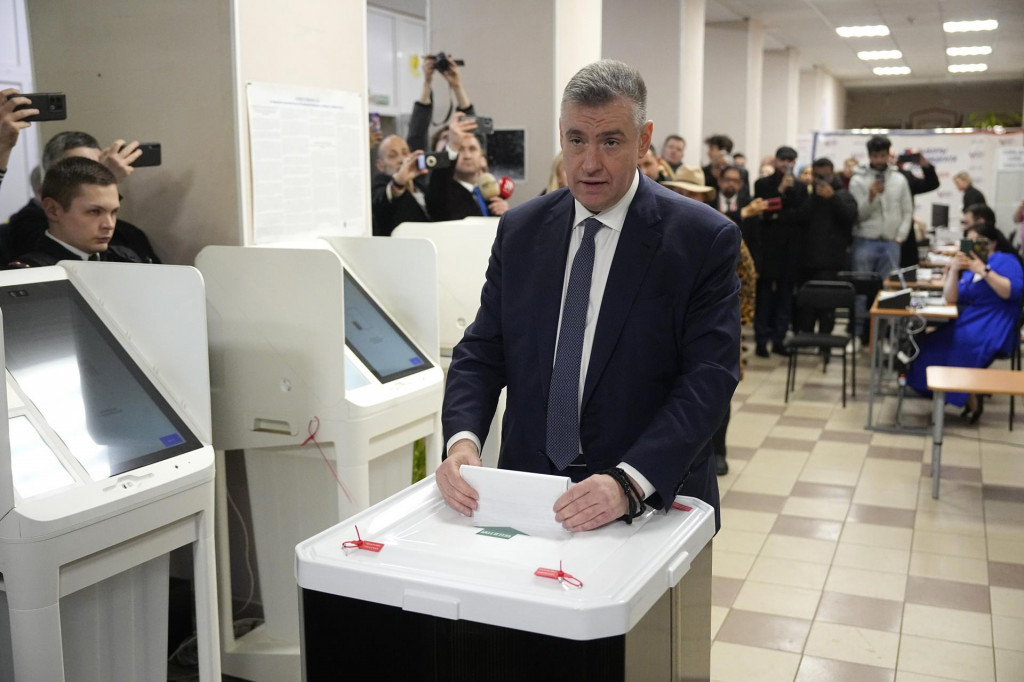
[
  {"x": 398, "y": 187},
  {"x": 885, "y": 211},
  {"x": 11, "y": 124}
]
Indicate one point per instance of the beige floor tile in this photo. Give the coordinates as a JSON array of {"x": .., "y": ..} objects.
[
  {"x": 972, "y": 547},
  {"x": 1007, "y": 551},
  {"x": 817, "y": 508},
  {"x": 1002, "y": 467},
  {"x": 946, "y": 567},
  {"x": 865, "y": 583},
  {"x": 855, "y": 645},
  {"x": 898, "y": 440},
  {"x": 1008, "y": 530},
  {"x": 798, "y": 549},
  {"x": 806, "y": 409},
  {"x": 718, "y": 614},
  {"x": 904, "y": 676},
  {"x": 768, "y": 485},
  {"x": 840, "y": 455},
  {"x": 731, "y": 564},
  {"x": 740, "y": 663},
  {"x": 949, "y": 523},
  {"x": 950, "y": 660},
  {"x": 874, "y": 535},
  {"x": 780, "y": 600},
  {"x": 901, "y": 494},
  {"x": 788, "y": 572},
  {"x": 871, "y": 558},
  {"x": 1008, "y": 633},
  {"x": 951, "y": 625},
  {"x": 798, "y": 432},
  {"x": 1007, "y": 602},
  {"x": 1009, "y": 665},
  {"x": 777, "y": 463},
  {"x": 888, "y": 469},
  {"x": 743, "y": 519},
  {"x": 829, "y": 475},
  {"x": 741, "y": 541},
  {"x": 958, "y": 459}
]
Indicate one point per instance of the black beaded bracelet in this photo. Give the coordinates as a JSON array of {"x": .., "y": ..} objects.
[{"x": 636, "y": 503}]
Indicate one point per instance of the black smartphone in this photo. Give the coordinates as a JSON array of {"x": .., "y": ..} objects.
[
  {"x": 908, "y": 158},
  {"x": 52, "y": 106},
  {"x": 434, "y": 160},
  {"x": 484, "y": 125},
  {"x": 150, "y": 155}
]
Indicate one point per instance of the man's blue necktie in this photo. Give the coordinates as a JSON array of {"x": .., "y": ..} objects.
[
  {"x": 563, "y": 423},
  {"x": 480, "y": 201}
]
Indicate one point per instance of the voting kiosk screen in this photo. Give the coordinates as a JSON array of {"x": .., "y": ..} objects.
[
  {"x": 375, "y": 339},
  {"x": 87, "y": 388}
]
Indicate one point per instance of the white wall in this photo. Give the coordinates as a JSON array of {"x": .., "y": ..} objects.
[
  {"x": 822, "y": 103},
  {"x": 780, "y": 100},
  {"x": 509, "y": 72},
  {"x": 725, "y": 79}
]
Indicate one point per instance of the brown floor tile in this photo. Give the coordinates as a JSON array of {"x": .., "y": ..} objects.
[
  {"x": 788, "y": 444},
  {"x": 861, "y": 612},
  {"x": 802, "y": 422},
  {"x": 724, "y": 590},
  {"x": 818, "y": 395},
  {"x": 754, "y": 501},
  {"x": 739, "y": 452},
  {"x": 845, "y": 436},
  {"x": 816, "y": 529},
  {"x": 902, "y": 454},
  {"x": 1006, "y": 575},
  {"x": 764, "y": 630},
  {"x": 761, "y": 408},
  {"x": 882, "y": 516},
  {"x": 1002, "y": 493},
  {"x": 953, "y": 473},
  {"x": 821, "y": 490},
  {"x": 948, "y": 594},
  {"x": 814, "y": 669}
]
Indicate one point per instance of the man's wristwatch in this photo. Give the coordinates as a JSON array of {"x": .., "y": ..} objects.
[{"x": 988, "y": 269}]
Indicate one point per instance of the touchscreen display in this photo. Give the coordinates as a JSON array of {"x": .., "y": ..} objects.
[
  {"x": 87, "y": 388},
  {"x": 375, "y": 339}
]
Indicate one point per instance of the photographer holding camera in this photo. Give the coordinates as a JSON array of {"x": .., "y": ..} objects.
[
  {"x": 398, "y": 187},
  {"x": 452, "y": 193},
  {"x": 423, "y": 109}
]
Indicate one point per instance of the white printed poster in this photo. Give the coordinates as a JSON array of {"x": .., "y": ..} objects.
[
  {"x": 980, "y": 153},
  {"x": 309, "y": 169}
]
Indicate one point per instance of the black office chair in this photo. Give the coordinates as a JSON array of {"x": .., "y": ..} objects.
[
  {"x": 865, "y": 283},
  {"x": 818, "y": 296}
]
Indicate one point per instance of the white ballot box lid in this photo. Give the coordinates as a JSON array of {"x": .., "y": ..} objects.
[{"x": 437, "y": 562}]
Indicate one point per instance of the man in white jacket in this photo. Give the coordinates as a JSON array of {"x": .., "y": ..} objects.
[{"x": 885, "y": 211}]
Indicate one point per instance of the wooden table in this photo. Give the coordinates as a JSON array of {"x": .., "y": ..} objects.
[{"x": 942, "y": 380}]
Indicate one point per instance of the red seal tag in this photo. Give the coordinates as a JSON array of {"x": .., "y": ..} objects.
[
  {"x": 559, "y": 575},
  {"x": 360, "y": 543},
  {"x": 681, "y": 507}
]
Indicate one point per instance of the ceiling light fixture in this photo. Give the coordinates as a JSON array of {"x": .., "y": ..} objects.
[
  {"x": 968, "y": 51},
  {"x": 967, "y": 68},
  {"x": 862, "y": 31},
  {"x": 891, "y": 70},
  {"x": 871, "y": 55},
  {"x": 965, "y": 26}
]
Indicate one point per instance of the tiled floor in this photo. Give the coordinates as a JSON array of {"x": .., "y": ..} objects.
[{"x": 835, "y": 564}]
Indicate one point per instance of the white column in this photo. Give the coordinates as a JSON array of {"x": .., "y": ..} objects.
[
  {"x": 577, "y": 43},
  {"x": 755, "y": 77},
  {"x": 792, "y": 96},
  {"x": 780, "y": 101},
  {"x": 691, "y": 77}
]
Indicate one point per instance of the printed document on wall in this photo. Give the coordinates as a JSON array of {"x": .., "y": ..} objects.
[{"x": 308, "y": 168}]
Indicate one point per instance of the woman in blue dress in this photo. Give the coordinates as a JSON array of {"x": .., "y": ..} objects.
[{"x": 988, "y": 295}]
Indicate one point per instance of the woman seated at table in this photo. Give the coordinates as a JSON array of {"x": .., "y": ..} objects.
[{"x": 987, "y": 292}]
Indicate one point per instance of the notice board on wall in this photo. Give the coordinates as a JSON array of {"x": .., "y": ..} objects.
[{"x": 986, "y": 156}]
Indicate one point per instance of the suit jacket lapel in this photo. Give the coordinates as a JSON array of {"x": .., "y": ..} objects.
[
  {"x": 637, "y": 246},
  {"x": 548, "y": 260}
]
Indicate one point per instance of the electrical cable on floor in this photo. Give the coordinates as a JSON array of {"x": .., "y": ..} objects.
[{"x": 248, "y": 560}]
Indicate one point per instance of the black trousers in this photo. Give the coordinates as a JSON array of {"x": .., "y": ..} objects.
[
  {"x": 773, "y": 311},
  {"x": 806, "y": 318},
  {"x": 718, "y": 440}
]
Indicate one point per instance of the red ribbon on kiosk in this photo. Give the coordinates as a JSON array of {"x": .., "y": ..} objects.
[{"x": 314, "y": 427}]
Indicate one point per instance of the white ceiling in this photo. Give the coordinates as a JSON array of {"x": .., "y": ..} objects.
[{"x": 916, "y": 30}]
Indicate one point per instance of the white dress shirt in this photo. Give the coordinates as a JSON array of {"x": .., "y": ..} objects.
[{"x": 605, "y": 241}]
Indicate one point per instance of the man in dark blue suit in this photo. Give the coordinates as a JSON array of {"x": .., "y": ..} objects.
[{"x": 610, "y": 312}]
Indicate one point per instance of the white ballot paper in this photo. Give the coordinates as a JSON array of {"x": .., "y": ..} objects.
[{"x": 517, "y": 499}]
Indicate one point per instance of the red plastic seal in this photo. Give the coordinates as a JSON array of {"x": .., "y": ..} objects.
[
  {"x": 559, "y": 575},
  {"x": 360, "y": 543},
  {"x": 681, "y": 507}
]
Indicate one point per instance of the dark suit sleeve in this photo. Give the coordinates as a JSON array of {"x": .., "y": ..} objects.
[
  {"x": 439, "y": 192},
  {"x": 419, "y": 124},
  {"x": 477, "y": 373},
  {"x": 921, "y": 185},
  {"x": 709, "y": 352}
]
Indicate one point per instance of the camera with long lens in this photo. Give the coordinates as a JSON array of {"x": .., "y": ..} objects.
[{"x": 443, "y": 64}]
